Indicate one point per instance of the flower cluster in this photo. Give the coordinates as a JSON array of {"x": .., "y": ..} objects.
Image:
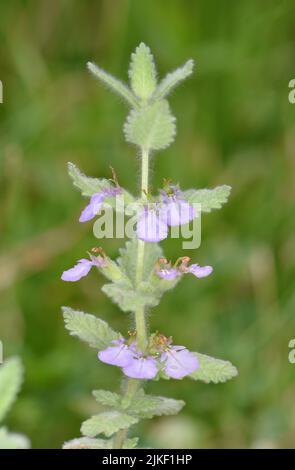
[
  {"x": 174, "y": 361},
  {"x": 155, "y": 219},
  {"x": 165, "y": 270}
]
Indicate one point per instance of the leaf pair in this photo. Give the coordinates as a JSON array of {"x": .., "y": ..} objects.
[
  {"x": 122, "y": 417},
  {"x": 150, "y": 124},
  {"x": 143, "y": 78},
  {"x": 99, "y": 335}
]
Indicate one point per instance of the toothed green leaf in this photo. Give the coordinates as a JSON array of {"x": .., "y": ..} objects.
[
  {"x": 94, "y": 331},
  {"x": 213, "y": 370},
  {"x": 112, "y": 271},
  {"x": 208, "y": 198},
  {"x": 107, "y": 423},
  {"x": 142, "y": 72},
  {"x": 151, "y": 127},
  {"x": 173, "y": 79},
  {"x": 107, "y": 398},
  {"x": 87, "y": 185},
  {"x": 147, "y": 406},
  {"x": 128, "y": 299},
  {"x": 115, "y": 85},
  {"x": 11, "y": 377},
  {"x": 130, "y": 443}
]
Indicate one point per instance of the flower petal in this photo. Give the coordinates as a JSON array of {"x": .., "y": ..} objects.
[
  {"x": 119, "y": 355},
  {"x": 168, "y": 274},
  {"x": 180, "y": 363},
  {"x": 150, "y": 227},
  {"x": 178, "y": 212},
  {"x": 200, "y": 271},
  {"x": 93, "y": 208},
  {"x": 141, "y": 368},
  {"x": 81, "y": 269}
]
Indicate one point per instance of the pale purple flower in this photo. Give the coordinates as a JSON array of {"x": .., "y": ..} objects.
[
  {"x": 141, "y": 367},
  {"x": 96, "y": 202},
  {"x": 118, "y": 354},
  {"x": 81, "y": 269},
  {"x": 179, "y": 362},
  {"x": 93, "y": 208},
  {"x": 168, "y": 273},
  {"x": 199, "y": 271},
  {"x": 165, "y": 271},
  {"x": 150, "y": 226},
  {"x": 178, "y": 211}
]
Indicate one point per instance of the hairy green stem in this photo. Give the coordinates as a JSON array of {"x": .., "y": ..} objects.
[
  {"x": 140, "y": 323},
  {"x": 133, "y": 385}
]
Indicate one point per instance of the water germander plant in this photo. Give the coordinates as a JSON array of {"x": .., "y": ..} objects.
[{"x": 141, "y": 274}]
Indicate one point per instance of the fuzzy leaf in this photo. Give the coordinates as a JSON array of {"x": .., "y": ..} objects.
[
  {"x": 173, "y": 79},
  {"x": 107, "y": 423},
  {"x": 151, "y": 127},
  {"x": 208, "y": 198},
  {"x": 94, "y": 331},
  {"x": 128, "y": 299},
  {"x": 157, "y": 287},
  {"x": 128, "y": 256},
  {"x": 107, "y": 398},
  {"x": 213, "y": 370},
  {"x": 147, "y": 406},
  {"x": 130, "y": 443},
  {"x": 88, "y": 443},
  {"x": 114, "y": 84},
  {"x": 11, "y": 377},
  {"x": 112, "y": 271},
  {"x": 87, "y": 185},
  {"x": 11, "y": 440},
  {"x": 142, "y": 72}
]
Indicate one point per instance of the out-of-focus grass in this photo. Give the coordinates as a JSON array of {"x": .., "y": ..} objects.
[{"x": 235, "y": 126}]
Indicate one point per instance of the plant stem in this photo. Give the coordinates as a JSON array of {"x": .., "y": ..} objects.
[
  {"x": 140, "y": 323},
  {"x": 133, "y": 385}
]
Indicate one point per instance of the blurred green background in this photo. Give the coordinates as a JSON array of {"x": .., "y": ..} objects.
[{"x": 235, "y": 126}]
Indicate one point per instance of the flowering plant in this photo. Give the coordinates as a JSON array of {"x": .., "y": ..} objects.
[{"x": 141, "y": 275}]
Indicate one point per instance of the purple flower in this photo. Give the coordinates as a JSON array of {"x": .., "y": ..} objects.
[
  {"x": 81, "y": 269},
  {"x": 119, "y": 354},
  {"x": 165, "y": 270},
  {"x": 199, "y": 271},
  {"x": 93, "y": 208},
  {"x": 179, "y": 362},
  {"x": 153, "y": 222},
  {"x": 141, "y": 367},
  {"x": 151, "y": 227},
  {"x": 178, "y": 211},
  {"x": 168, "y": 273},
  {"x": 96, "y": 202}
]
